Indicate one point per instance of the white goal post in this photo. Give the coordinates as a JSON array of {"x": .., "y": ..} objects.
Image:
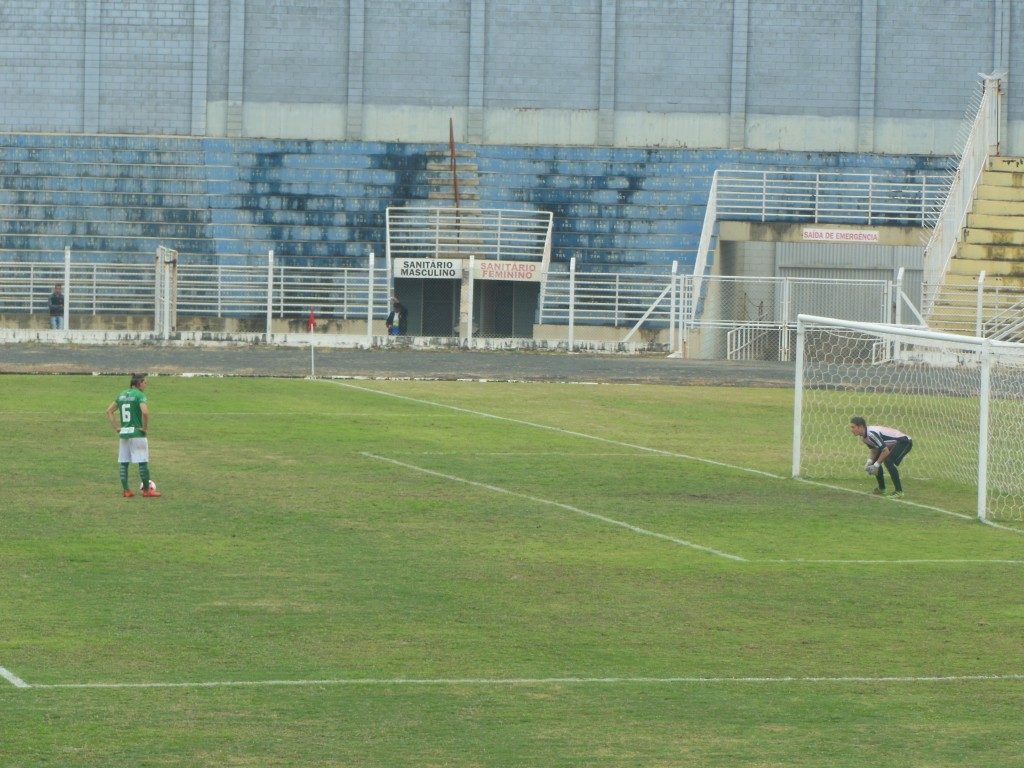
[
  {"x": 961, "y": 399},
  {"x": 165, "y": 295}
]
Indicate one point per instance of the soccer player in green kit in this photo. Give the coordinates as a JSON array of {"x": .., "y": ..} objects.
[{"x": 129, "y": 415}]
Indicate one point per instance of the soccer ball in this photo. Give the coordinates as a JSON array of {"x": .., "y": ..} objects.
[{"x": 152, "y": 486}]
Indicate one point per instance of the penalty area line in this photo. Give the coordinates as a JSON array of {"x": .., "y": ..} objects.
[
  {"x": 559, "y": 430},
  {"x": 12, "y": 678},
  {"x": 662, "y": 452},
  {"x": 539, "y": 681},
  {"x": 560, "y": 505}
]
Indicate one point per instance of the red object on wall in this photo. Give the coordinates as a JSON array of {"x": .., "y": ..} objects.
[{"x": 311, "y": 322}]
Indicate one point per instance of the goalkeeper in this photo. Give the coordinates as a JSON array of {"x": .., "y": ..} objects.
[{"x": 888, "y": 448}]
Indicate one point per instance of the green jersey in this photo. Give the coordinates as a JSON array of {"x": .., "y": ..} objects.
[{"x": 129, "y": 409}]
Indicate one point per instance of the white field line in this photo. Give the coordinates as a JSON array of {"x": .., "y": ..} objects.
[
  {"x": 961, "y": 515},
  {"x": 904, "y": 561},
  {"x": 541, "y": 681},
  {"x": 532, "y": 454},
  {"x": 560, "y": 505},
  {"x": 659, "y": 451},
  {"x": 683, "y": 542},
  {"x": 192, "y": 414},
  {"x": 13, "y": 679},
  {"x": 559, "y": 430}
]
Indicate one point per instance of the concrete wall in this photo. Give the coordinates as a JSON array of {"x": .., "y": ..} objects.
[{"x": 886, "y": 76}]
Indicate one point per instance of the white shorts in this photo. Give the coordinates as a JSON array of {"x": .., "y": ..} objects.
[{"x": 133, "y": 450}]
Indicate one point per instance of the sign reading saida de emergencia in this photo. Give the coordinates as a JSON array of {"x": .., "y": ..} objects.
[
  {"x": 824, "y": 235},
  {"x": 448, "y": 269},
  {"x": 508, "y": 270}
]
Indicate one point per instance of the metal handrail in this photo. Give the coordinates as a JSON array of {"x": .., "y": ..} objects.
[
  {"x": 818, "y": 197},
  {"x": 827, "y": 197},
  {"x": 457, "y": 233},
  {"x": 982, "y": 141}
]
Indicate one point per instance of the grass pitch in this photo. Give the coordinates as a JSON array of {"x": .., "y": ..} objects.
[{"x": 463, "y": 574}]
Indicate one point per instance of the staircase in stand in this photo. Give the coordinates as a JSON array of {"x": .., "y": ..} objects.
[
  {"x": 993, "y": 243},
  {"x": 439, "y": 177}
]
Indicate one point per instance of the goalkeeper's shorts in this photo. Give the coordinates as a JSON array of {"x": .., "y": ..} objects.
[{"x": 899, "y": 451}]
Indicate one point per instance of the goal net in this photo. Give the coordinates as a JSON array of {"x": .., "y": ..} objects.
[{"x": 960, "y": 398}]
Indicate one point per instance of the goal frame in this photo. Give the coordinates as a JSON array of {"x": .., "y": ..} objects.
[{"x": 988, "y": 351}]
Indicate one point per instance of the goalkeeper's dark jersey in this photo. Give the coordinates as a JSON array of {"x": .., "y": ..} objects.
[
  {"x": 880, "y": 437},
  {"x": 129, "y": 410}
]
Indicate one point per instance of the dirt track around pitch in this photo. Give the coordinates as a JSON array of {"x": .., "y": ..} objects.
[{"x": 438, "y": 364}]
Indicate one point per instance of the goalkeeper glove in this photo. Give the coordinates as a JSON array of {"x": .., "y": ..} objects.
[{"x": 871, "y": 468}]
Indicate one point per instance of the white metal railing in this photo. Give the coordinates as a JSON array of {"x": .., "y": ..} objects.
[
  {"x": 98, "y": 288},
  {"x": 982, "y": 141},
  {"x": 212, "y": 290},
  {"x": 707, "y": 233},
  {"x": 656, "y": 301},
  {"x": 816, "y": 197},
  {"x": 751, "y": 341},
  {"x": 827, "y": 197},
  {"x": 985, "y": 309},
  {"x": 599, "y": 298},
  {"x": 457, "y": 233},
  {"x": 1006, "y": 325},
  {"x": 218, "y": 290}
]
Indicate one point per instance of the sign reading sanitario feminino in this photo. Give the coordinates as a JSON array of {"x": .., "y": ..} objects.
[
  {"x": 508, "y": 270},
  {"x": 448, "y": 269}
]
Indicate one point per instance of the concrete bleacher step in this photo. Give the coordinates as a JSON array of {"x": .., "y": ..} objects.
[
  {"x": 993, "y": 221},
  {"x": 1010, "y": 208},
  {"x": 1005, "y": 269},
  {"x": 441, "y": 194},
  {"x": 440, "y": 165},
  {"x": 993, "y": 237},
  {"x": 1007, "y": 164},
  {"x": 991, "y": 191},
  {"x": 307, "y": 200},
  {"x": 987, "y": 251}
]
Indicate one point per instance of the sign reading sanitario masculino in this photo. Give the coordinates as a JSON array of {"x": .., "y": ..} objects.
[{"x": 449, "y": 269}]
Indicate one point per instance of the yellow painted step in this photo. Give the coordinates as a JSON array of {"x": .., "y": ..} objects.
[
  {"x": 998, "y": 192},
  {"x": 1006, "y": 163},
  {"x": 988, "y": 221},
  {"x": 1003, "y": 178},
  {"x": 993, "y": 252},
  {"x": 999, "y": 207},
  {"x": 1006, "y": 269},
  {"x": 994, "y": 236}
]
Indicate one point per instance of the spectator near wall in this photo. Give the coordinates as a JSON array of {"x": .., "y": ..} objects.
[{"x": 57, "y": 308}]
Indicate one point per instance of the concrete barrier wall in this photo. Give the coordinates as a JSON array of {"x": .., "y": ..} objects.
[{"x": 890, "y": 76}]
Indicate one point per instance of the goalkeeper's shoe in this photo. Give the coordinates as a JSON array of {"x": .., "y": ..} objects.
[
  {"x": 878, "y": 491},
  {"x": 896, "y": 495},
  {"x": 128, "y": 494},
  {"x": 150, "y": 493}
]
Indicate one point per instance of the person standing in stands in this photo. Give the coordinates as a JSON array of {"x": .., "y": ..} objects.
[
  {"x": 57, "y": 307},
  {"x": 396, "y": 318},
  {"x": 129, "y": 415}
]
